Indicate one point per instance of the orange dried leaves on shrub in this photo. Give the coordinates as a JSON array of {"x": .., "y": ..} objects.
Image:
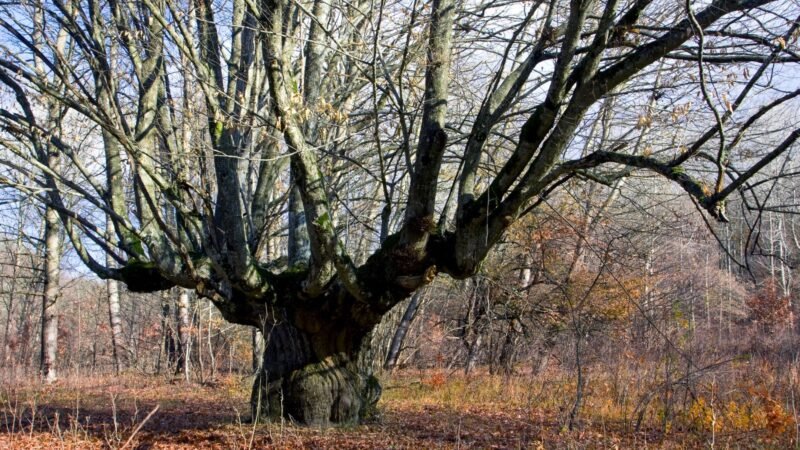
[
  {"x": 436, "y": 380},
  {"x": 768, "y": 307}
]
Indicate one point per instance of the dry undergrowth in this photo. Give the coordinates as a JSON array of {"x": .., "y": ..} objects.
[{"x": 419, "y": 409}]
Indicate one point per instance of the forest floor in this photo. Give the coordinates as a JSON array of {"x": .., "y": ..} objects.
[{"x": 419, "y": 410}]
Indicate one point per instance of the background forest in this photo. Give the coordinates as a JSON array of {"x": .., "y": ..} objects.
[
  {"x": 414, "y": 224},
  {"x": 609, "y": 306}
]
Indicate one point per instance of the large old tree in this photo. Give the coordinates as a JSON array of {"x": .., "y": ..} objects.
[{"x": 308, "y": 164}]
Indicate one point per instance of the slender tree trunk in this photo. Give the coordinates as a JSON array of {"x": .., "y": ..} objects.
[
  {"x": 10, "y": 337},
  {"x": 472, "y": 354},
  {"x": 576, "y": 406},
  {"x": 51, "y": 230},
  {"x": 24, "y": 354},
  {"x": 473, "y": 325},
  {"x": 115, "y": 323},
  {"x": 184, "y": 333},
  {"x": 258, "y": 349},
  {"x": 402, "y": 330},
  {"x": 508, "y": 351},
  {"x": 211, "y": 356},
  {"x": 168, "y": 342},
  {"x": 113, "y": 310},
  {"x": 548, "y": 344},
  {"x": 50, "y": 299},
  {"x": 77, "y": 351},
  {"x": 199, "y": 327}
]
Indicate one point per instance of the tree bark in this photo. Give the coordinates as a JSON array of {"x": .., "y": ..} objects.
[
  {"x": 314, "y": 378},
  {"x": 184, "y": 336},
  {"x": 168, "y": 339},
  {"x": 113, "y": 309},
  {"x": 508, "y": 351},
  {"x": 49, "y": 156},
  {"x": 51, "y": 291},
  {"x": 258, "y": 349},
  {"x": 115, "y": 323}
]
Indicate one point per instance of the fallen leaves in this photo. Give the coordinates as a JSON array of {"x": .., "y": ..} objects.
[{"x": 454, "y": 412}]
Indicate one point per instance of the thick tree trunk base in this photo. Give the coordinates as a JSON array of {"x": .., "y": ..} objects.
[
  {"x": 315, "y": 380},
  {"x": 319, "y": 394}
]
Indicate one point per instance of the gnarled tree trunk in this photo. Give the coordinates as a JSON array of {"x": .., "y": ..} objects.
[{"x": 315, "y": 378}]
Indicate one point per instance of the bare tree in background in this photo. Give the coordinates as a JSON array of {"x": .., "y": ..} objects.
[
  {"x": 184, "y": 333},
  {"x": 49, "y": 156},
  {"x": 114, "y": 319}
]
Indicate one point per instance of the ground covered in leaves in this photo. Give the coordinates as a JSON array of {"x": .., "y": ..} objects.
[{"x": 419, "y": 410}]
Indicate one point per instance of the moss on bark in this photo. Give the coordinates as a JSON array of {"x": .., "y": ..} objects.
[{"x": 141, "y": 276}]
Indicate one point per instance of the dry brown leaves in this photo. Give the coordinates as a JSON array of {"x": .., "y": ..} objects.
[{"x": 104, "y": 412}]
